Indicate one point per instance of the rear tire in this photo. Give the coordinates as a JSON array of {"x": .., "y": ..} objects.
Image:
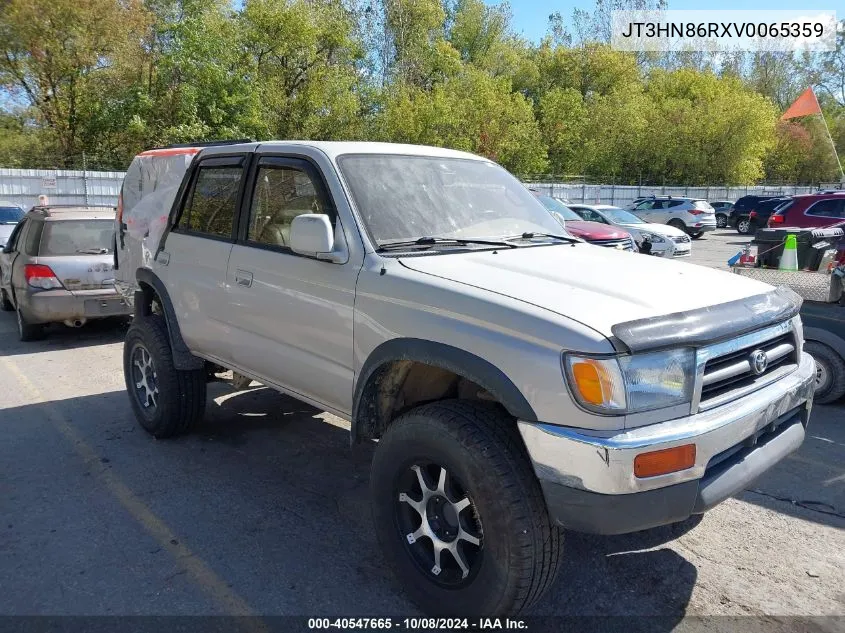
[
  {"x": 5, "y": 303},
  {"x": 678, "y": 224},
  {"x": 696, "y": 236},
  {"x": 28, "y": 331},
  {"x": 496, "y": 499},
  {"x": 744, "y": 226},
  {"x": 830, "y": 372},
  {"x": 167, "y": 401}
]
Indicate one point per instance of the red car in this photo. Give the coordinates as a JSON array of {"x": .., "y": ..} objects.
[
  {"x": 812, "y": 210},
  {"x": 592, "y": 232}
]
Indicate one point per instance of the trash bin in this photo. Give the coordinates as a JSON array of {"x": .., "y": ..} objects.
[{"x": 770, "y": 244}]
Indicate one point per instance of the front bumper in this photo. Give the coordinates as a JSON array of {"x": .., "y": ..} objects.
[
  {"x": 588, "y": 476},
  {"x": 53, "y": 306}
]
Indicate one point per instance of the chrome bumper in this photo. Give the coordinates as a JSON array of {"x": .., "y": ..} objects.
[{"x": 603, "y": 461}]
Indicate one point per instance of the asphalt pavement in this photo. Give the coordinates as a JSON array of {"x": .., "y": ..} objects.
[{"x": 265, "y": 510}]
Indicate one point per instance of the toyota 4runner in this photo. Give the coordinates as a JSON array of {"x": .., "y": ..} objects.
[{"x": 517, "y": 379}]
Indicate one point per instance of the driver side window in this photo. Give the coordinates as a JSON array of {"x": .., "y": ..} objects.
[{"x": 281, "y": 193}]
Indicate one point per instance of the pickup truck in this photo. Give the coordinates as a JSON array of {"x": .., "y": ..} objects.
[{"x": 515, "y": 380}]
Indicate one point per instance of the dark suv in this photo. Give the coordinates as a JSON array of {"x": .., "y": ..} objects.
[{"x": 752, "y": 212}]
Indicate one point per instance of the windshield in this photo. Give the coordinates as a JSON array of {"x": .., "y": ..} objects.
[
  {"x": 620, "y": 216},
  {"x": 556, "y": 206},
  {"x": 409, "y": 197},
  {"x": 10, "y": 215},
  {"x": 77, "y": 237}
]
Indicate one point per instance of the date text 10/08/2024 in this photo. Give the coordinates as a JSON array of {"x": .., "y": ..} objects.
[{"x": 418, "y": 624}]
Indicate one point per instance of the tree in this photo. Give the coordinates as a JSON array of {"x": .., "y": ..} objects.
[
  {"x": 472, "y": 112},
  {"x": 58, "y": 55}
]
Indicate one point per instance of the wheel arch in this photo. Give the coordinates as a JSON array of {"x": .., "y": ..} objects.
[
  {"x": 836, "y": 343},
  {"x": 437, "y": 371},
  {"x": 151, "y": 287}
]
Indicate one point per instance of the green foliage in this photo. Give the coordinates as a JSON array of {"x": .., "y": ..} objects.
[{"x": 108, "y": 78}]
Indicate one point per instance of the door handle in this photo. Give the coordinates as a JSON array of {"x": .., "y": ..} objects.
[{"x": 243, "y": 278}]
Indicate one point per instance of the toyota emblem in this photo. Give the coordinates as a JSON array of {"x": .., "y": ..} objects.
[{"x": 759, "y": 361}]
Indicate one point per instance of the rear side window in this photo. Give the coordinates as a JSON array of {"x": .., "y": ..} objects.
[
  {"x": 830, "y": 208},
  {"x": 672, "y": 203},
  {"x": 213, "y": 202},
  {"x": 33, "y": 237},
  {"x": 77, "y": 237}
]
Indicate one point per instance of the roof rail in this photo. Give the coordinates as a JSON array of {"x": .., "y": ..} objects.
[{"x": 207, "y": 143}]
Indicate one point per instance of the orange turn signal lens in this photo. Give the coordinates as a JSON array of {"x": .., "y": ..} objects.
[
  {"x": 588, "y": 381},
  {"x": 666, "y": 461}
]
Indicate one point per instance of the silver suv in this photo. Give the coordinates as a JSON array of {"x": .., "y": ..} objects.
[
  {"x": 58, "y": 267},
  {"x": 517, "y": 380},
  {"x": 694, "y": 216}
]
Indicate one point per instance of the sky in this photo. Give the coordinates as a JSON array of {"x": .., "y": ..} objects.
[{"x": 530, "y": 17}]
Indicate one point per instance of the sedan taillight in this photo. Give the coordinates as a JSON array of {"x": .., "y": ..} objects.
[
  {"x": 776, "y": 219},
  {"x": 41, "y": 276}
]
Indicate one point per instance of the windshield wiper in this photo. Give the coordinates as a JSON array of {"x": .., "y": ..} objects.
[
  {"x": 93, "y": 251},
  {"x": 432, "y": 241},
  {"x": 562, "y": 238}
]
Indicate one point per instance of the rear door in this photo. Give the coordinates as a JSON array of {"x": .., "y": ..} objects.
[
  {"x": 10, "y": 255},
  {"x": 292, "y": 315},
  {"x": 195, "y": 255},
  {"x": 826, "y": 212}
]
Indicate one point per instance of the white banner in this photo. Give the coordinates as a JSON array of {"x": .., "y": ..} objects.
[{"x": 724, "y": 31}]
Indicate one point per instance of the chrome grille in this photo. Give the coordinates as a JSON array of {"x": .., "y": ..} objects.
[
  {"x": 626, "y": 243},
  {"x": 726, "y": 370}
]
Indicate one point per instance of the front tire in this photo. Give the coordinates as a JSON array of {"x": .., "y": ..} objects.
[
  {"x": 460, "y": 514},
  {"x": 167, "y": 401},
  {"x": 830, "y": 372},
  {"x": 721, "y": 221}
]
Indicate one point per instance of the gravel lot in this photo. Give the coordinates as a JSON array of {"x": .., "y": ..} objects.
[{"x": 265, "y": 510}]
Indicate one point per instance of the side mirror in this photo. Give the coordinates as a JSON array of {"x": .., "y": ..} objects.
[{"x": 311, "y": 234}]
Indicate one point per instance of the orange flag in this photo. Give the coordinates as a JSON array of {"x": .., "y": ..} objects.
[{"x": 804, "y": 105}]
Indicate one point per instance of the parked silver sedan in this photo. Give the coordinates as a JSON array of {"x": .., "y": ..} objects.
[{"x": 58, "y": 267}]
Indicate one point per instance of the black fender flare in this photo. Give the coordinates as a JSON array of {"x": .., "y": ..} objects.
[
  {"x": 182, "y": 357},
  {"x": 828, "y": 338},
  {"x": 454, "y": 359}
]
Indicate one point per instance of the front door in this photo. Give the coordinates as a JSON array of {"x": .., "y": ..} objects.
[{"x": 293, "y": 315}]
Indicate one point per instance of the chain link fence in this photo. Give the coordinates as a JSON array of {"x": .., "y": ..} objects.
[
  {"x": 621, "y": 195},
  {"x": 22, "y": 187}
]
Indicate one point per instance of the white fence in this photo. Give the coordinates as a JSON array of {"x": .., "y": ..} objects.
[
  {"x": 620, "y": 195},
  {"x": 23, "y": 186}
]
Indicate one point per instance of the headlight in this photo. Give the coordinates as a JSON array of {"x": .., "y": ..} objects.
[
  {"x": 657, "y": 239},
  {"x": 628, "y": 384}
]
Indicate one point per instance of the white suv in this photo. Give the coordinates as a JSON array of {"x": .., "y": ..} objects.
[
  {"x": 517, "y": 380},
  {"x": 694, "y": 216}
]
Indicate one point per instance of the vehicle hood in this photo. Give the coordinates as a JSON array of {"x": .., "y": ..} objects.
[
  {"x": 595, "y": 230},
  {"x": 598, "y": 287},
  {"x": 5, "y": 232},
  {"x": 652, "y": 227}
]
